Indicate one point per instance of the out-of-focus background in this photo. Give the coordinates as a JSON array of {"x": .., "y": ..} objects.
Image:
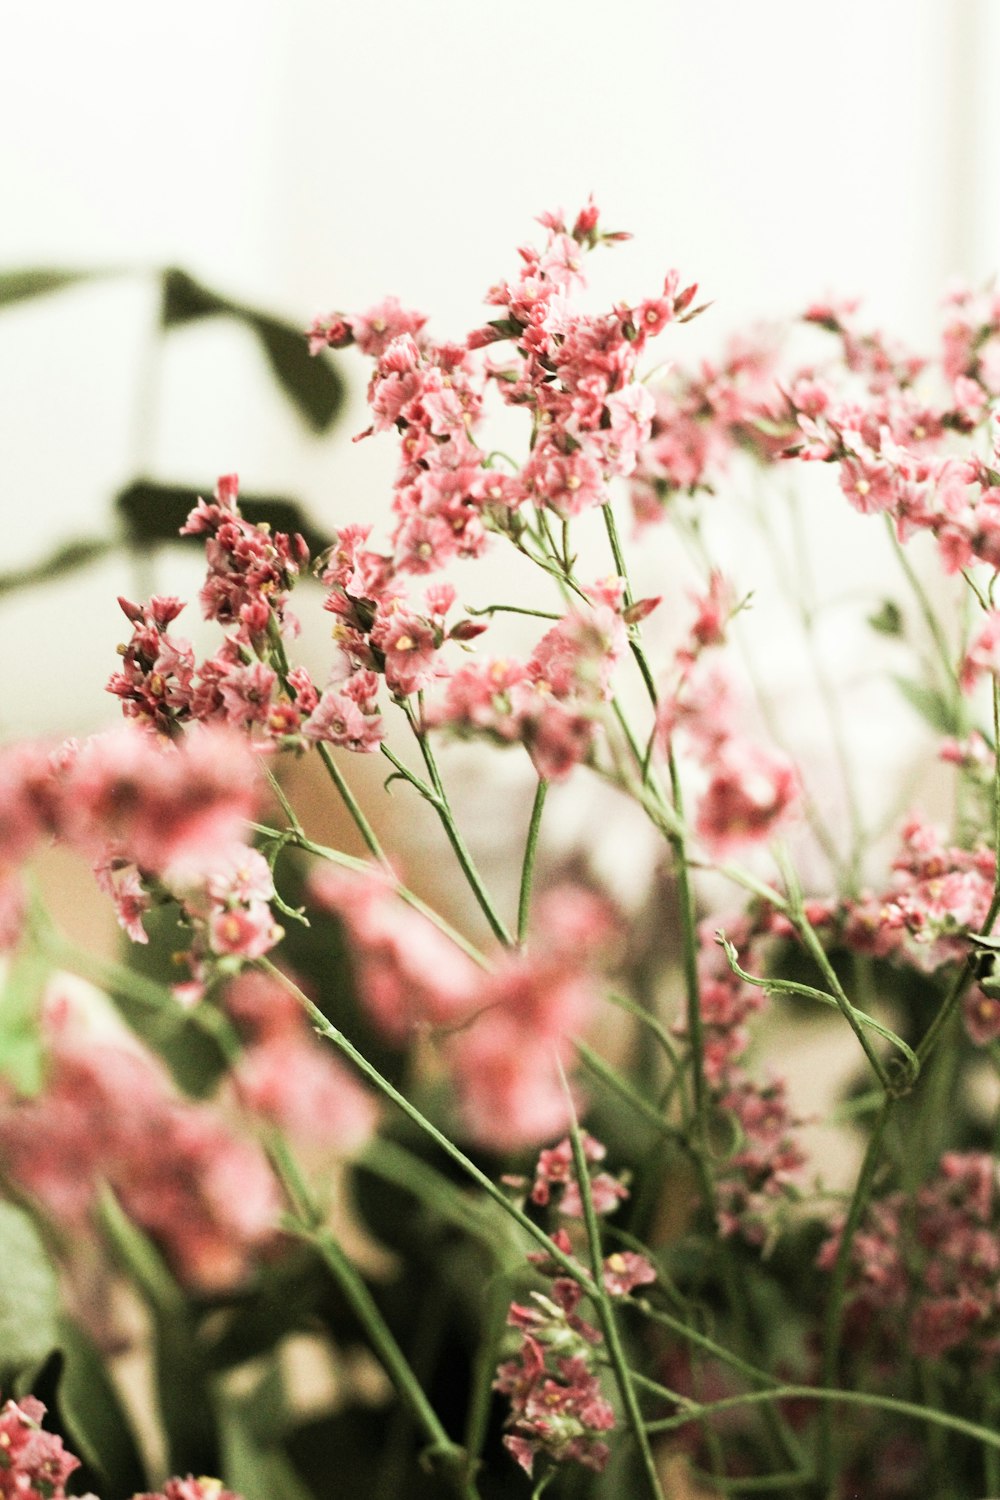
[{"x": 305, "y": 155}]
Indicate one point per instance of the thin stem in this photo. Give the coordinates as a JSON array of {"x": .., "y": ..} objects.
[
  {"x": 528, "y": 864},
  {"x": 835, "y": 1304},
  {"x": 347, "y": 796},
  {"x": 606, "y": 1313},
  {"x": 441, "y": 806},
  {"x": 927, "y": 610},
  {"x": 628, "y": 1094},
  {"x": 363, "y": 867},
  {"x": 797, "y": 916},
  {"x": 692, "y": 987},
  {"x": 832, "y": 1397},
  {"x": 326, "y": 1028},
  {"x": 307, "y": 1224}
]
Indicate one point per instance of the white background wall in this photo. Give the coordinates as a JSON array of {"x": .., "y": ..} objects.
[{"x": 308, "y": 154}]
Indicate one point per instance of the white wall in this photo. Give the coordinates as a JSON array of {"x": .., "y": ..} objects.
[{"x": 309, "y": 154}]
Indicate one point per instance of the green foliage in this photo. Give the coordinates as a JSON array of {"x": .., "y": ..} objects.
[
  {"x": 310, "y": 382},
  {"x": 29, "y": 1299},
  {"x": 153, "y": 514},
  {"x": 21, "y": 1050}
]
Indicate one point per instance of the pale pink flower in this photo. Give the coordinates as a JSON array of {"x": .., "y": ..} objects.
[{"x": 750, "y": 791}]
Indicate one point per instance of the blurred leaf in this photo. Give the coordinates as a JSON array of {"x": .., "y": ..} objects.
[
  {"x": 185, "y": 299},
  {"x": 310, "y": 382},
  {"x": 253, "y": 1460},
  {"x": 68, "y": 558},
  {"x": 139, "y": 1259},
  {"x": 182, "y": 1386},
  {"x": 22, "y": 1055},
  {"x": 154, "y": 513},
  {"x": 99, "y": 1429},
  {"x": 934, "y": 707},
  {"x": 887, "y": 619},
  {"x": 283, "y": 1299},
  {"x": 32, "y": 281},
  {"x": 349, "y": 1443},
  {"x": 29, "y": 1297}
]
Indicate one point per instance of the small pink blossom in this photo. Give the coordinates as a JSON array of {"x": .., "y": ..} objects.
[{"x": 749, "y": 792}]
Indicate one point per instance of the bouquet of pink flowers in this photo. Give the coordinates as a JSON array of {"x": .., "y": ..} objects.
[{"x": 500, "y": 1193}]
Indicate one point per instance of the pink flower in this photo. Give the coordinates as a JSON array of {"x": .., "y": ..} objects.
[
  {"x": 34, "y": 1465},
  {"x": 410, "y": 974},
  {"x": 166, "y": 805},
  {"x": 751, "y": 789}
]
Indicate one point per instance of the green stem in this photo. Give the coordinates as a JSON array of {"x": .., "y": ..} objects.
[
  {"x": 628, "y": 1094},
  {"x": 362, "y": 867},
  {"x": 606, "y": 1313},
  {"x": 307, "y": 1224},
  {"x": 280, "y": 658},
  {"x": 692, "y": 988},
  {"x": 832, "y": 1397},
  {"x": 326, "y": 1028},
  {"x": 347, "y": 796},
  {"x": 528, "y": 864},
  {"x": 439, "y": 801},
  {"x": 835, "y": 1302},
  {"x": 797, "y": 916}
]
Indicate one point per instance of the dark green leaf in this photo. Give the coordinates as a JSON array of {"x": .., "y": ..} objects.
[
  {"x": 284, "y": 1299},
  {"x": 154, "y": 513},
  {"x": 310, "y": 382},
  {"x": 31, "y": 281},
  {"x": 887, "y": 619},
  {"x": 182, "y": 1386},
  {"x": 99, "y": 1429},
  {"x": 68, "y": 558},
  {"x": 931, "y": 705},
  {"x": 140, "y": 1259},
  {"x": 29, "y": 1296},
  {"x": 185, "y": 300},
  {"x": 253, "y": 1460}
]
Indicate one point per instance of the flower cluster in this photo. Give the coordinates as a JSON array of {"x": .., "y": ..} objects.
[
  {"x": 148, "y": 814},
  {"x": 932, "y": 1261},
  {"x": 939, "y": 895},
  {"x": 505, "y": 1031},
  {"x": 107, "y": 1114},
  {"x": 748, "y": 789},
  {"x": 286, "y": 1076},
  {"x": 34, "y": 1465},
  {"x": 557, "y": 1407},
  {"x": 765, "y": 1164}
]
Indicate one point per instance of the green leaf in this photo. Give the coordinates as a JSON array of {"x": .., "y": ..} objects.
[
  {"x": 154, "y": 513},
  {"x": 29, "y": 1297},
  {"x": 32, "y": 281},
  {"x": 68, "y": 558},
  {"x": 310, "y": 382},
  {"x": 253, "y": 1461},
  {"x": 140, "y": 1259},
  {"x": 938, "y": 710},
  {"x": 99, "y": 1429},
  {"x": 183, "y": 1393},
  {"x": 22, "y": 1055},
  {"x": 887, "y": 619}
]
